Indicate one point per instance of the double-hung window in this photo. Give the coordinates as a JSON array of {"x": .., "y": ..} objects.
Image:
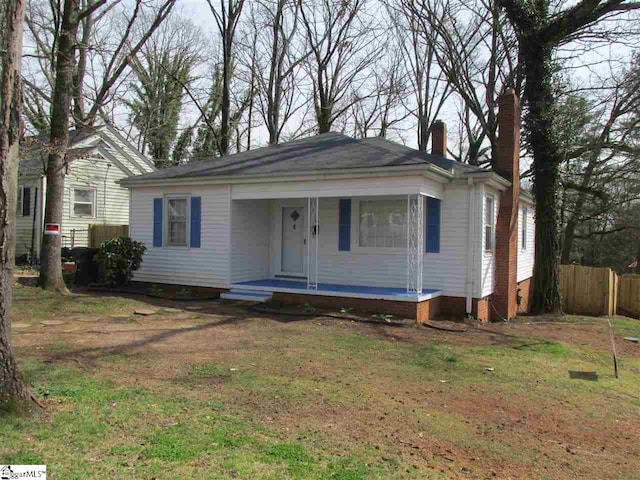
[
  {"x": 489, "y": 224},
  {"x": 84, "y": 202},
  {"x": 177, "y": 222},
  {"x": 523, "y": 233},
  {"x": 383, "y": 224}
]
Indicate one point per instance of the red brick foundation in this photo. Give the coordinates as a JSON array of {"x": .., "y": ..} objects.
[
  {"x": 455, "y": 308},
  {"x": 526, "y": 291},
  {"x": 422, "y": 311},
  {"x": 445, "y": 308}
]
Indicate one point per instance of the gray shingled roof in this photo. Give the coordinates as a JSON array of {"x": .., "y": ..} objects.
[{"x": 328, "y": 151}]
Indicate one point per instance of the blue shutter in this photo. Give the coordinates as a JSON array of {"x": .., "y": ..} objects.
[
  {"x": 196, "y": 203},
  {"x": 157, "y": 222},
  {"x": 344, "y": 228},
  {"x": 433, "y": 225}
]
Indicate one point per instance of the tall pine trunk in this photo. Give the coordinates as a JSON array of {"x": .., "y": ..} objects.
[
  {"x": 13, "y": 393},
  {"x": 51, "y": 260},
  {"x": 540, "y": 102}
]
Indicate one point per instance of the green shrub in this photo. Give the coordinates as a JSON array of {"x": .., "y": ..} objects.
[{"x": 120, "y": 257}]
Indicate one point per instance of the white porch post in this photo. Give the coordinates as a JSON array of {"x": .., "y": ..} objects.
[
  {"x": 313, "y": 242},
  {"x": 415, "y": 243}
]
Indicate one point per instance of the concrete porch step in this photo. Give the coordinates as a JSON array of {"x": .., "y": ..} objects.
[{"x": 247, "y": 295}]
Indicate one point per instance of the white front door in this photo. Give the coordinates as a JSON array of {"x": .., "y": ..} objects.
[{"x": 293, "y": 239}]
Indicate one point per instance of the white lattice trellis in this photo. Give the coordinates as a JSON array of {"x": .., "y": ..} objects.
[
  {"x": 415, "y": 243},
  {"x": 313, "y": 242}
]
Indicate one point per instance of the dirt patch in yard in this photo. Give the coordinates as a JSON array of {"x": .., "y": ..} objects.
[{"x": 494, "y": 401}]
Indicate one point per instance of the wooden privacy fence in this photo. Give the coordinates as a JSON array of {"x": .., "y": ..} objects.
[
  {"x": 588, "y": 290},
  {"x": 629, "y": 295},
  {"x": 101, "y": 233},
  {"x": 599, "y": 291}
]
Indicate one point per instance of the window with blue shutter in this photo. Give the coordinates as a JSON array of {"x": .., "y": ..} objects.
[
  {"x": 157, "y": 222},
  {"x": 344, "y": 228},
  {"x": 433, "y": 226},
  {"x": 196, "y": 207}
]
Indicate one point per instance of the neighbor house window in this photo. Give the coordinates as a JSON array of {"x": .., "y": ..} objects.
[
  {"x": 383, "y": 224},
  {"x": 84, "y": 202},
  {"x": 177, "y": 221},
  {"x": 23, "y": 205},
  {"x": 489, "y": 223},
  {"x": 523, "y": 233}
]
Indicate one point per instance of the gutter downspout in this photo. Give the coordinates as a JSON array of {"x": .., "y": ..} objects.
[{"x": 471, "y": 230}]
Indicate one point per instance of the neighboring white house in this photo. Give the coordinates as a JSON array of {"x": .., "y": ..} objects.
[
  {"x": 100, "y": 157},
  {"x": 332, "y": 217}
]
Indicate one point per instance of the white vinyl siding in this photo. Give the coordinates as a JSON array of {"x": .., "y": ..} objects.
[
  {"x": 206, "y": 266},
  {"x": 24, "y": 224},
  {"x": 111, "y": 201},
  {"x": 489, "y": 223},
  {"x": 526, "y": 256},
  {"x": 488, "y": 267},
  {"x": 249, "y": 240}
]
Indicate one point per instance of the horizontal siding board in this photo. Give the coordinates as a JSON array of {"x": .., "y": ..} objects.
[
  {"x": 24, "y": 224},
  {"x": 205, "y": 266},
  {"x": 526, "y": 257},
  {"x": 249, "y": 240},
  {"x": 112, "y": 200}
]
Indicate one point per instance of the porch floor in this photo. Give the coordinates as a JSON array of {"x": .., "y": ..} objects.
[{"x": 336, "y": 290}]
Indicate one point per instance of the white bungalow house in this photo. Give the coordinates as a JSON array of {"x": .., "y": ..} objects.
[
  {"x": 100, "y": 157},
  {"x": 338, "y": 221}
]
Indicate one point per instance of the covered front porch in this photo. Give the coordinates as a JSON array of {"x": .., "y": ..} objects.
[{"x": 355, "y": 245}]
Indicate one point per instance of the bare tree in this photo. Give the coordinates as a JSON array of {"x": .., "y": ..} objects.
[
  {"x": 62, "y": 96},
  {"x": 385, "y": 110},
  {"x": 540, "y": 32},
  {"x": 477, "y": 52},
  {"x": 13, "y": 393},
  {"x": 275, "y": 58},
  {"x": 342, "y": 41},
  {"x": 227, "y": 21},
  {"x": 602, "y": 158},
  {"x": 429, "y": 87}
]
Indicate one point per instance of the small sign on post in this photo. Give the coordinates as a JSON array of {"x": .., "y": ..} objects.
[{"x": 52, "y": 229}]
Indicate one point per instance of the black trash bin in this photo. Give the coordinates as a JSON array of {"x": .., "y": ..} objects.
[{"x": 87, "y": 269}]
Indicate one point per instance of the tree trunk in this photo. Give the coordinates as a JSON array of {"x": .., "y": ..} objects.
[
  {"x": 13, "y": 393},
  {"x": 51, "y": 260},
  {"x": 226, "y": 95},
  {"x": 540, "y": 101}
]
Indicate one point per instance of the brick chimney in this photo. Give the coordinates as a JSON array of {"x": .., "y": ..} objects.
[
  {"x": 439, "y": 138},
  {"x": 508, "y": 166}
]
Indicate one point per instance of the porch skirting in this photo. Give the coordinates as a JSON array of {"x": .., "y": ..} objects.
[
  {"x": 437, "y": 308},
  {"x": 419, "y": 311}
]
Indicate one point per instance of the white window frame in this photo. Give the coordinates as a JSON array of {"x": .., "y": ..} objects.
[
  {"x": 165, "y": 221},
  {"x": 94, "y": 204},
  {"x": 523, "y": 228},
  {"x": 355, "y": 222},
  {"x": 491, "y": 225}
]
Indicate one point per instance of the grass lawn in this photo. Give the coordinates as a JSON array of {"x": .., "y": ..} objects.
[{"x": 218, "y": 391}]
